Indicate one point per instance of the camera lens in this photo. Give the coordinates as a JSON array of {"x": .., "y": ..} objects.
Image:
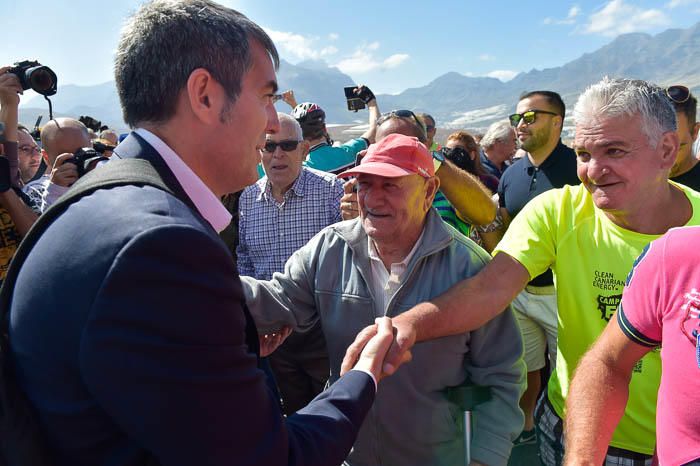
[{"x": 40, "y": 79}]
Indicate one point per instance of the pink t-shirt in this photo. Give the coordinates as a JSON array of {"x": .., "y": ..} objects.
[{"x": 661, "y": 303}]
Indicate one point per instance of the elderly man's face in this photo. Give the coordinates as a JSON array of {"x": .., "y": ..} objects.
[
  {"x": 618, "y": 166},
  {"x": 282, "y": 167},
  {"x": 393, "y": 209}
]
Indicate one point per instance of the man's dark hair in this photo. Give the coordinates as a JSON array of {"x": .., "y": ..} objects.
[
  {"x": 166, "y": 40},
  {"x": 21, "y": 127},
  {"x": 689, "y": 109},
  {"x": 552, "y": 98}
]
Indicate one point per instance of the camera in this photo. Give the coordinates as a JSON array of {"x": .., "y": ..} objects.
[
  {"x": 354, "y": 101},
  {"x": 36, "y": 76},
  {"x": 85, "y": 159},
  {"x": 101, "y": 147},
  {"x": 358, "y": 97},
  {"x": 92, "y": 123}
]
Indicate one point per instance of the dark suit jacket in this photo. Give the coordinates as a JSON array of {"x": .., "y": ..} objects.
[{"x": 127, "y": 329}]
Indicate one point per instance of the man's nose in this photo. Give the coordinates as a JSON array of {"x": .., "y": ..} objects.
[{"x": 273, "y": 123}]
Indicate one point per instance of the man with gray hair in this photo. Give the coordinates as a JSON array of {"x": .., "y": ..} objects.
[
  {"x": 498, "y": 145},
  {"x": 590, "y": 236},
  {"x": 278, "y": 215},
  {"x": 156, "y": 359}
]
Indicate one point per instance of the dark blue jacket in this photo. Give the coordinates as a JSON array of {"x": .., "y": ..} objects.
[{"x": 128, "y": 332}]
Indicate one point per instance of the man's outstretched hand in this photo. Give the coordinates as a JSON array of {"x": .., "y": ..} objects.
[{"x": 403, "y": 336}]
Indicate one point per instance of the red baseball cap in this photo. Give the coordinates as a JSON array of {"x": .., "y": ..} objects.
[{"x": 395, "y": 155}]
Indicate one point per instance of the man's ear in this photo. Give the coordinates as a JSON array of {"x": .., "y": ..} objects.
[
  {"x": 305, "y": 147},
  {"x": 668, "y": 148},
  {"x": 205, "y": 96},
  {"x": 431, "y": 188},
  {"x": 45, "y": 156},
  {"x": 694, "y": 131}
]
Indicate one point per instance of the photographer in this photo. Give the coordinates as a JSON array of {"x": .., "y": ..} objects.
[
  {"x": 61, "y": 139},
  {"x": 16, "y": 215},
  {"x": 322, "y": 154}
]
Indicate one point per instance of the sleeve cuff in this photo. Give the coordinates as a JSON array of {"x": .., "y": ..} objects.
[
  {"x": 632, "y": 333},
  {"x": 371, "y": 375}
]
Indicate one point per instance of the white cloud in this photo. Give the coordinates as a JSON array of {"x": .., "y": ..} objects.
[
  {"x": 395, "y": 60},
  {"x": 618, "y": 17},
  {"x": 486, "y": 57},
  {"x": 503, "y": 75},
  {"x": 364, "y": 60},
  {"x": 298, "y": 47},
  {"x": 333, "y": 36},
  {"x": 574, "y": 12},
  {"x": 677, "y": 3}
]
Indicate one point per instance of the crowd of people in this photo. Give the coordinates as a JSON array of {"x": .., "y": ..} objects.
[{"x": 266, "y": 295}]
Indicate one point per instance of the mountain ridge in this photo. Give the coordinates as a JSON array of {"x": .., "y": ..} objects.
[{"x": 454, "y": 99}]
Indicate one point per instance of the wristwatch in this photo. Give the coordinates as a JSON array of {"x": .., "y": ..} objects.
[{"x": 438, "y": 158}]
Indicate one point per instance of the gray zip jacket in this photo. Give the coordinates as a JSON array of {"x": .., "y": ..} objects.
[{"x": 411, "y": 421}]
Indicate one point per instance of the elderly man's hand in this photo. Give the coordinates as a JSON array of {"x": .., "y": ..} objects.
[
  {"x": 376, "y": 342},
  {"x": 399, "y": 352},
  {"x": 64, "y": 173},
  {"x": 271, "y": 341},
  {"x": 349, "y": 208}
]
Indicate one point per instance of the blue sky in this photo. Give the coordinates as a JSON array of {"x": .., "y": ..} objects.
[{"x": 389, "y": 45}]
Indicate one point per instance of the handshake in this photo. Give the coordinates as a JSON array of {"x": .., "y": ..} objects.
[{"x": 380, "y": 348}]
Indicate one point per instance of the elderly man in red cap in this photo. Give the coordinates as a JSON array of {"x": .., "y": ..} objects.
[{"x": 396, "y": 254}]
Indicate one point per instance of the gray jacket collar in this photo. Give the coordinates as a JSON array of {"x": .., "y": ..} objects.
[{"x": 436, "y": 237}]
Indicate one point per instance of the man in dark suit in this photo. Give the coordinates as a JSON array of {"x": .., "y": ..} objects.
[{"x": 128, "y": 327}]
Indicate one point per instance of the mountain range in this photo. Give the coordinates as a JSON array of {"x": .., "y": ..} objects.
[{"x": 455, "y": 100}]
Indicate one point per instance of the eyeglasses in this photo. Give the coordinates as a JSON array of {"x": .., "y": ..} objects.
[
  {"x": 30, "y": 149},
  {"x": 528, "y": 117},
  {"x": 678, "y": 94},
  {"x": 287, "y": 146},
  {"x": 400, "y": 114}
]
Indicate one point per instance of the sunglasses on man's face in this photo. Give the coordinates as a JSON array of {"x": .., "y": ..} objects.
[
  {"x": 678, "y": 94},
  {"x": 287, "y": 146},
  {"x": 528, "y": 117}
]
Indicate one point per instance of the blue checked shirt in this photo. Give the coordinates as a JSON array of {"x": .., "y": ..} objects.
[{"x": 270, "y": 232}]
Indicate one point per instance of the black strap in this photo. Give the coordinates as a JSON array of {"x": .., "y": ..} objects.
[{"x": 121, "y": 172}]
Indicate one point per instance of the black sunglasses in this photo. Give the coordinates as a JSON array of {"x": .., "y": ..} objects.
[
  {"x": 528, "y": 117},
  {"x": 678, "y": 94},
  {"x": 287, "y": 146},
  {"x": 400, "y": 114}
]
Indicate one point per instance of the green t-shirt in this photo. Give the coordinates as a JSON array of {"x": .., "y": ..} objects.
[{"x": 590, "y": 257}]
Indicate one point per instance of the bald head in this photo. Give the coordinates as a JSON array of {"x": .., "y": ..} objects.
[
  {"x": 63, "y": 135},
  {"x": 400, "y": 126}
]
